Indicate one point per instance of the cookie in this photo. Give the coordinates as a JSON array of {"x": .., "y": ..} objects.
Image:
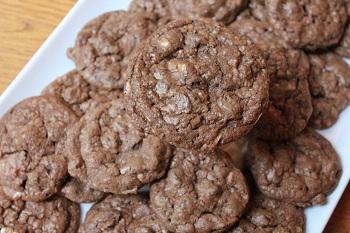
[
  {"x": 343, "y": 49},
  {"x": 121, "y": 213},
  {"x": 270, "y": 216},
  {"x": 104, "y": 46},
  {"x": 222, "y": 11},
  {"x": 29, "y": 134},
  {"x": 197, "y": 84},
  {"x": 158, "y": 7},
  {"x": 257, "y": 9},
  {"x": 330, "y": 88},
  {"x": 290, "y": 104},
  {"x": 109, "y": 154},
  {"x": 79, "y": 192},
  {"x": 308, "y": 24},
  {"x": 301, "y": 171},
  {"x": 78, "y": 93},
  {"x": 53, "y": 215},
  {"x": 202, "y": 192}
]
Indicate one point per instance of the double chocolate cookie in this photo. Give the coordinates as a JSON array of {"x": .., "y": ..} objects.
[
  {"x": 308, "y": 24},
  {"x": 197, "y": 84},
  {"x": 56, "y": 214},
  {"x": 266, "y": 215},
  {"x": 30, "y": 168},
  {"x": 104, "y": 46},
  {"x": 330, "y": 88},
  {"x": 202, "y": 192},
  {"x": 158, "y": 7},
  {"x": 290, "y": 104},
  {"x": 343, "y": 49},
  {"x": 107, "y": 153},
  {"x": 121, "y": 213},
  {"x": 78, "y": 93},
  {"x": 79, "y": 192},
  {"x": 222, "y": 11},
  {"x": 301, "y": 171}
]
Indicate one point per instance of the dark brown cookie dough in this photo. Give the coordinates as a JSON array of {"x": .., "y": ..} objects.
[
  {"x": 109, "y": 154},
  {"x": 29, "y": 134},
  {"x": 309, "y": 24},
  {"x": 301, "y": 171},
  {"x": 222, "y": 11},
  {"x": 330, "y": 88},
  {"x": 78, "y": 93},
  {"x": 79, "y": 192},
  {"x": 105, "y": 44},
  {"x": 121, "y": 213},
  {"x": 202, "y": 192},
  {"x": 158, "y": 7},
  {"x": 197, "y": 84},
  {"x": 270, "y": 216},
  {"x": 55, "y": 215},
  {"x": 290, "y": 104}
]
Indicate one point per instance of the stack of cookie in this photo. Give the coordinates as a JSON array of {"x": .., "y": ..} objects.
[{"x": 183, "y": 116}]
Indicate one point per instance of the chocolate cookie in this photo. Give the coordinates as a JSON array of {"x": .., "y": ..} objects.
[
  {"x": 109, "y": 154},
  {"x": 308, "y": 24},
  {"x": 79, "y": 192},
  {"x": 257, "y": 9},
  {"x": 53, "y": 215},
  {"x": 105, "y": 44},
  {"x": 330, "y": 88},
  {"x": 29, "y": 134},
  {"x": 197, "y": 84},
  {"x": 202, "y": 192},
  {"x": 158, "y": 7},
  {"x": 343, "y": 49},
  {"x": 121, "y": 213},
  {"x": 301, "y": 171},
  {"x": 290, "y": 104},
  {"x": 222, "y": 11},
  {"x": 78, "y": 93},
  {"x": 270, "y": 216}
]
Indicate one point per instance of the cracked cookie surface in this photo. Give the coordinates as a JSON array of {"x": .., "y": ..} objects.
[
  {"x": 121, "y": 213},
  {"x": 222, "y": 11},
  {"x": 308, "y": 24},
  {"x": 270, "y": 216},
  {"x": 55, "y": 215},
  {"x": 197, "y": 84},
  {"x": 30, "y": 133},
  {"x": 330, "y": 88},
  {"x": 290, "y": 104},
  {"x": 158, "y": 7},
  {"x": 109, "y": 154},
  {"x": 78, "y": 93},
  {"x": 104, "y": 46},
  {"x": 202, "y": 192},
  {"x": 301, "y": 171}
]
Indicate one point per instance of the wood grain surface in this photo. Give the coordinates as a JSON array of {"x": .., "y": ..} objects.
[{"x": 25, "y": 24}]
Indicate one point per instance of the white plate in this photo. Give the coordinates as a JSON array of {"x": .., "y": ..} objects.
[{"x": 50, "y": 61}]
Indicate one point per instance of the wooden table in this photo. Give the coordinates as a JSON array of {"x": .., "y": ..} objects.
[{"x": 25, "y": 24}]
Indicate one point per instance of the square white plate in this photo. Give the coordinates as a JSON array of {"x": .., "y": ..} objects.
[{"x": 50, "y": 61}]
